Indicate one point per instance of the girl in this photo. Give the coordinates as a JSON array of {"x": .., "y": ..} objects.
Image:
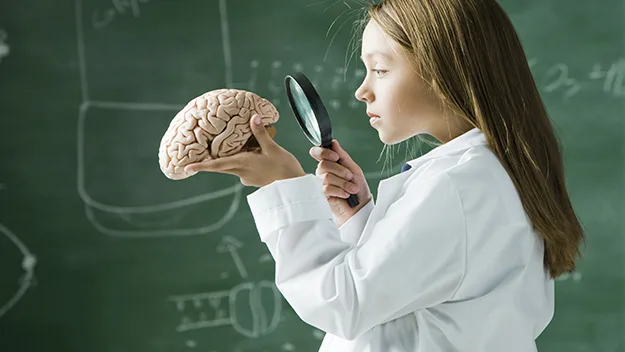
[{"x": 460, "y": 251}]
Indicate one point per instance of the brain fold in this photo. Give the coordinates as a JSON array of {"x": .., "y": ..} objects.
[{"x": 213, "y": 125}]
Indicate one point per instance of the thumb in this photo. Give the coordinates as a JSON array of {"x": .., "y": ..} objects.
[
  {"x": 260, "y": 132},
  {"x": 344, "y": 158}
]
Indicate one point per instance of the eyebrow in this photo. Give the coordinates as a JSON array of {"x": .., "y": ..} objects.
[{"x": 377, "y": 53}]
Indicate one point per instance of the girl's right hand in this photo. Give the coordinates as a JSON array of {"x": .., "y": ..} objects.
[{"x": 335, "y": 168}]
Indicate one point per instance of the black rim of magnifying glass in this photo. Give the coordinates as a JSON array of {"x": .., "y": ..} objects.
[
  {"x": 319, "y": 110},
  {"x": 321, "y": 115}
]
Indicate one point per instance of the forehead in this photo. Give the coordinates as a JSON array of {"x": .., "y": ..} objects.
[{"x": 377, "y": 44}]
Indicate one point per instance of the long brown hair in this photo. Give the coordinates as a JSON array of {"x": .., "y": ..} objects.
[{"x": 469, "y": 53}]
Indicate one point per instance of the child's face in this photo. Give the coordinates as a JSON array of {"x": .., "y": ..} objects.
[{"x": 395, "y": 92}]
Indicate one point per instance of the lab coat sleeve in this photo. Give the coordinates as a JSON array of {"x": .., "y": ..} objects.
[
  {"x": 352, "y": 228},
  {"x": 414, "y": 257}
]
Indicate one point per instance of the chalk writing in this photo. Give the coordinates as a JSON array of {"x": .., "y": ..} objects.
[
  {"x": 101, "y": 19},
  {"x": 331, "y": 82},
  {"x": 337, "y": 85},
  {"x": 613, "y": 77},
  {"x": 574, "y": 276},
  {"x": 558, "y": 78},
  {"x": 287, "y": 346}
]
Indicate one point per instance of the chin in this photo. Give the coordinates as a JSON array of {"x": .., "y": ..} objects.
[{"x": 390, "y": 139}]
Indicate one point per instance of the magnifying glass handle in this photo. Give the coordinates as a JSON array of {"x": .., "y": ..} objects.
[{"x": 352, "y": 200}]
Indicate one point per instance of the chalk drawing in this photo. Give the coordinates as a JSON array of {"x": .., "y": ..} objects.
[
  {"x": 318, "y": 334},
  {"x": 101, "y": 19},
  {"x": 275, "y": 84},
  {"x": 28, "y": 265},
  {"x": 124, "y": 212},
  {"x": 219, "y": 308},
  {"x": 234, "y": 193},
  {"x": 317, "y": 75},
  {"x": 287, "y": 346},
  {"x": 251, "y": 84},
  {"x": 265, "y": 258},
  {"x": 231, "y": 196},
  {"x": 4, "y": 47},
  {"x": 231, "y": 245}
]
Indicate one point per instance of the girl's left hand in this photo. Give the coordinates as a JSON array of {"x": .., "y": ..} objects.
[{"x": 255, "y": 168}]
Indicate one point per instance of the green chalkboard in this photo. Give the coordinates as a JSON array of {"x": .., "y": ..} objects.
[{"x": 100, "y": 252}]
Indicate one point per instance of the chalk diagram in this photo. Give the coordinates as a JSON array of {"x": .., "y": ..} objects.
[
  {"x": 27, "y": 279},
  {"x": 220, "y": 308},
  {"x": 4, "y": 46},
  {"x": 160, "y": 218},
  {"x": 252, "y": 309},
  {"x": 145, "y": 220}
]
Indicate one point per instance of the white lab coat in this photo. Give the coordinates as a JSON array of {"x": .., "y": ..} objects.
[{"x": 445, "y": 260}]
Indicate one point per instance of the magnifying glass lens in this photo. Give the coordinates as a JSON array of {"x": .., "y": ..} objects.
[
  {"x": 305, "y": 111},
  {"x": 311, "y": 115}
]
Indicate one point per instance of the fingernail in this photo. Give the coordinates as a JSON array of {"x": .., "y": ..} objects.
[
  {"x": 353, "y": 188},
  {"x": 350, "y": 176},
  {"x": 257, "y": 120}
]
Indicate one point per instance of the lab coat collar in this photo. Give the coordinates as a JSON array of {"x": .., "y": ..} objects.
[
  {"x": 464, "y": 141},
  {"x": 389, "y": 187}
]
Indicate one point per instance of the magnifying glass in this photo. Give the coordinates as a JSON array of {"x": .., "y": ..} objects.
[{"x": 311, "y": 115}]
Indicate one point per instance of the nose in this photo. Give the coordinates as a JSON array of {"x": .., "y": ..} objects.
[{"x": 363, "y": 93}]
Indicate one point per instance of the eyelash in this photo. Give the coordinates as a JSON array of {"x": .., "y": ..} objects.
[{"x": 378, "y": 71}]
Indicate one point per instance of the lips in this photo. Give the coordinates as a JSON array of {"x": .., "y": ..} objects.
[{"x": 372, "y": 115}]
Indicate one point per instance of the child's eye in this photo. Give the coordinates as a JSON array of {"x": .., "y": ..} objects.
[{"x": 379, "y": 72}]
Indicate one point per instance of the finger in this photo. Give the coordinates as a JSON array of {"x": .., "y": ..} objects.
[
  {"x": 343, "y": 184},
  {"x": 211, "y": 165},
  {"x": 344, "y": 158},
  {"x": 319, "y": 153},
  {"x": 333, "y": 191},
  {"x": 235, "y": 171},
  {"x": 335, "y": 168},
  {"x": 219, "y": 165},
  {"x": 260, "y": 132}
]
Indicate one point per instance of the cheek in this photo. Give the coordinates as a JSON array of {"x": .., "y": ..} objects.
[
  {"x": 404, "y": 104},
  {"x": 412, "y": 103}
]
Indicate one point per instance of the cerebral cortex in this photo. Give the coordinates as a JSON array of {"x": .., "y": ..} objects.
[{"x": 213, "y": 125}]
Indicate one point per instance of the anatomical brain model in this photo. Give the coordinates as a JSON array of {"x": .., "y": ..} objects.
[{"x": 215, "y": 124}]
